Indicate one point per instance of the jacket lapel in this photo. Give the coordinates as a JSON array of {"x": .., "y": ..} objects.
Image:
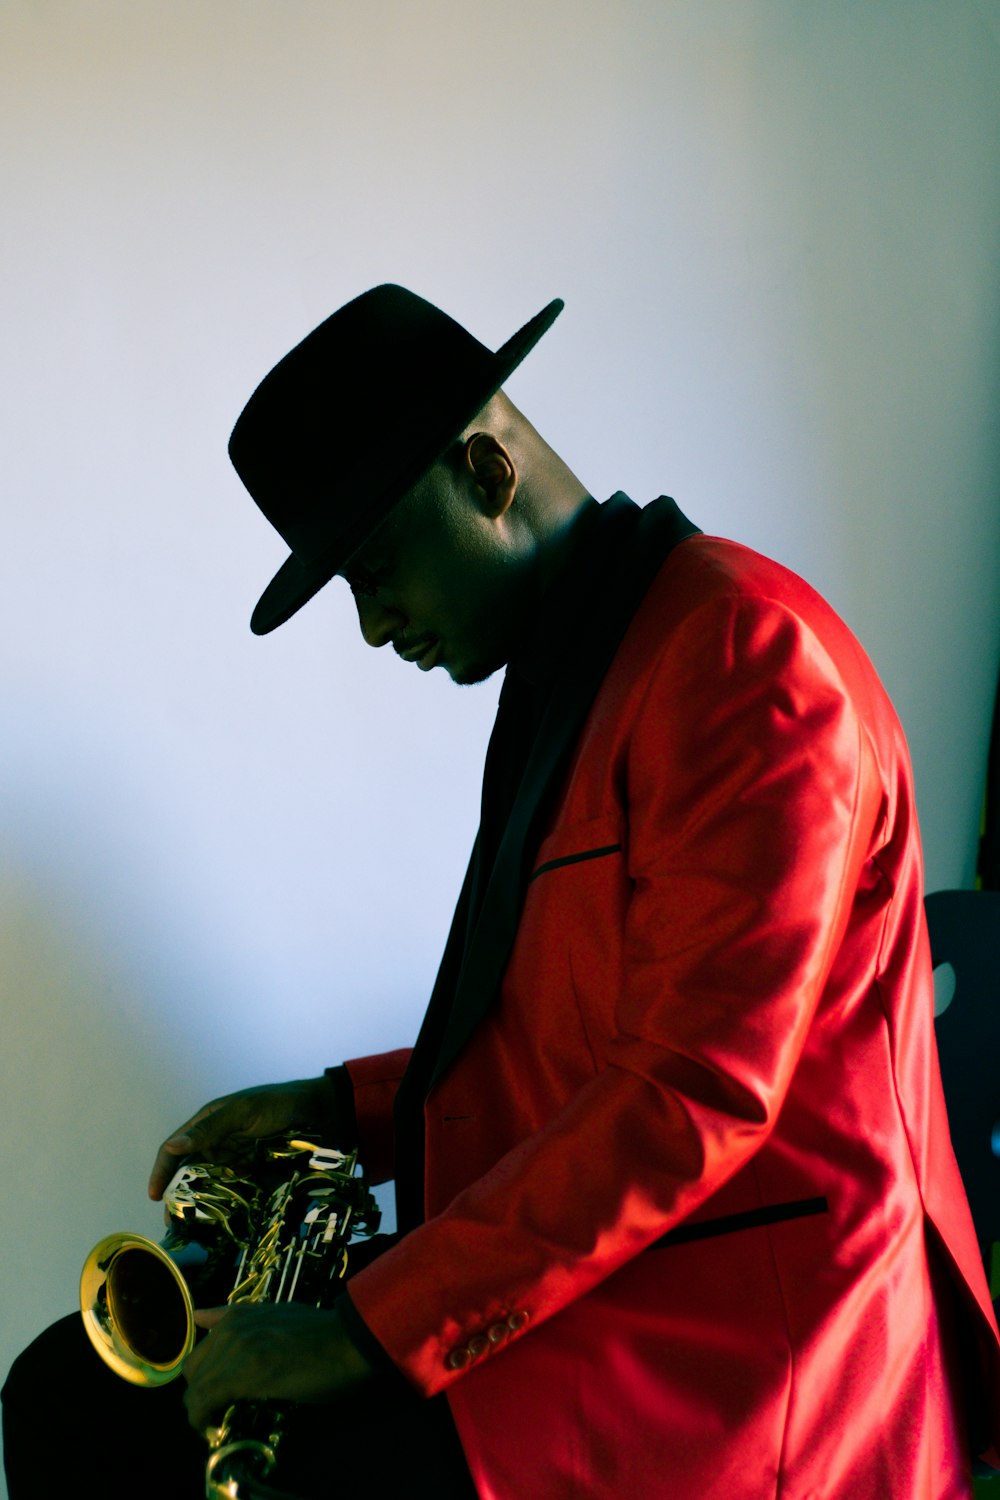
[{"x": 659, "y": 528}]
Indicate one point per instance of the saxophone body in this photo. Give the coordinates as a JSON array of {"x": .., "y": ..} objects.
[{"x": 273, "y": 1227}]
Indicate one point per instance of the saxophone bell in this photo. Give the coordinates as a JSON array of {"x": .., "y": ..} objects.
[
  {"x": 277, "y": 1230},
  {"x": 137, "y": 1309}
]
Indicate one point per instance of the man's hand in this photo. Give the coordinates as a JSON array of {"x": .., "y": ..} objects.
[
  {"x": 281, "y": 1351},
  {"x": 225, "y": 1125}
]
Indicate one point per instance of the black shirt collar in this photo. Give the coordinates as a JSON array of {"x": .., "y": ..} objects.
[{"x": 565, "y": 606}]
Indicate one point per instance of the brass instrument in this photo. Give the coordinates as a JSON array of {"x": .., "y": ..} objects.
[{"x": 272, "y": 1228}]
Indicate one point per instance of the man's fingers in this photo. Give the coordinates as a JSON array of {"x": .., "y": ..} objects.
[
  {"x": 165, "y": 1164},
  {"x": 263, "y": 1351},
  {"x": 194, "y": 1135},
  {"x": 235, "y": 1119}
]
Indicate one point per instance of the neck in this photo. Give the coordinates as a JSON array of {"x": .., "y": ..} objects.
[{"x": 566, "y": 530}]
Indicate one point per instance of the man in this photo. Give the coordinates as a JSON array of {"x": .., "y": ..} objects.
[{"x": 679, "y": 1212}]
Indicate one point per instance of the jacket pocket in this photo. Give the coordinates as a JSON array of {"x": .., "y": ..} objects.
[
  {"x": 753, "y": 1218},
  {"x": 597, "y": 838}
]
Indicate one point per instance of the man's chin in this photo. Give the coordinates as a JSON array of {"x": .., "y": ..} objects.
[{"x": 467, "y": 674}]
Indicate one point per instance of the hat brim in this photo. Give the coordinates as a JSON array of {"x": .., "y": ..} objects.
[{"x": 296, "y": 582}]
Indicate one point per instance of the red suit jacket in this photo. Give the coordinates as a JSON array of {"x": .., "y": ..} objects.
[{"x": 694, "y": 1227}]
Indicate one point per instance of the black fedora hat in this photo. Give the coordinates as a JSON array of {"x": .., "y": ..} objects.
[{"x": 342, "y": 427}]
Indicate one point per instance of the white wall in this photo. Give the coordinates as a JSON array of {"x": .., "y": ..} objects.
[{"x": 775, "y": 225}]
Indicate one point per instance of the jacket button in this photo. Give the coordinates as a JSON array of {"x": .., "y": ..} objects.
[
  {"x": 497, "y": 1333},
  {"x": 517, "y": 1320},
  {"x": 457, "y": 1359},
  {"x": 478, "y": 1345}
]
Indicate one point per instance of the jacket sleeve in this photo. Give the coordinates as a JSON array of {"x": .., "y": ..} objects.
[
  {"x": 750, "y": 796},
  {"x": 373, "y": 1082}
]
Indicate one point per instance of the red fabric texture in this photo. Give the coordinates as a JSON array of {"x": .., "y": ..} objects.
[{"x": 726, "y": 1009}]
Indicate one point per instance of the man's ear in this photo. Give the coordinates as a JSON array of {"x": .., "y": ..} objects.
[{"x": 490, "y": 466}]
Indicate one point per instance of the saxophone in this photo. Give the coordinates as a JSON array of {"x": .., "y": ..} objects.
[{"x": 272, "y": 1227}]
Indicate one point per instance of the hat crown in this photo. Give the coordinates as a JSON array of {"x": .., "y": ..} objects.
[
  {"x": 349, "y": 419},
  {"x": 354, "y": 374}
]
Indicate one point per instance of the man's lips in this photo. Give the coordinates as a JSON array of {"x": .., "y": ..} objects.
[{"x": 423, "y": 651}]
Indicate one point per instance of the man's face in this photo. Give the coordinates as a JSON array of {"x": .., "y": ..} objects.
[{"x": 444, "y": 580}]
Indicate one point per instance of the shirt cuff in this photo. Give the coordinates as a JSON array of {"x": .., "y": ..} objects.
[
  {"x": 364, "y": 1340},
  {"x": 345, "y": 1119}
]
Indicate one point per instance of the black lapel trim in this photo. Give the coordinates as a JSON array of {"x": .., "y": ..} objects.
[
  {"x": 754, "y": 1218},
  {"x": 409, "y": 1102},
  {"x": 658, "y": 529},
  {"x": 574, "y": 859}
]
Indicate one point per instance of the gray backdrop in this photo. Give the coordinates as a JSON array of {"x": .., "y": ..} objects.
[{"x": 775, "y": 225}]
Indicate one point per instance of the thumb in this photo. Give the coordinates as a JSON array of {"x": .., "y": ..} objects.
[
  {"x": 208, "y": 1317},
  {"x": 202, "y": 1133},
  {"x": 181, "y": 1143},
  {"x": 191, "y": 1138}
]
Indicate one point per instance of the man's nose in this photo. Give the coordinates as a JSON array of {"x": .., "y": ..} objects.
[{"x": 379, "y": 622}]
